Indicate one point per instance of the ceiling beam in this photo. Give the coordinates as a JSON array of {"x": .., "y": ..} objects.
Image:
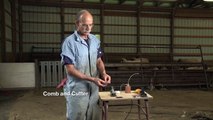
[
  {"x": 167, "y": 0},
  {"x": 121, "y": 1},
  {"x": 102, "y": 1},
  {"x": 120, "y": 6}
]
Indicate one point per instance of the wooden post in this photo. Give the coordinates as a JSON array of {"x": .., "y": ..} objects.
[
  {"x": 172, "y": 34},
  {"x": 13, "y": 13},
  {"x": 138, "y": 27},
  {"x": 20, "y": 33},
  {"x": 102, "y": 28},
  {"x": 37, "y": 76},
  {"x": 3, "y": 33},
  {"x": 172, "y": 41},
  {"x": 62, "y": 21}
]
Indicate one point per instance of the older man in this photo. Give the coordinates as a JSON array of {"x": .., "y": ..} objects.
[{"x": 81, "y": 55}]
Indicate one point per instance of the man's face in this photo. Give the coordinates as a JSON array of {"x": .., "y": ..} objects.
[{"x": 84, "y": 26}]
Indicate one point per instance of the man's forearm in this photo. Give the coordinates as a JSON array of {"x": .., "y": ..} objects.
[
  {"x": 101, "y": 67},
  {"x": 74, "y": 72}
]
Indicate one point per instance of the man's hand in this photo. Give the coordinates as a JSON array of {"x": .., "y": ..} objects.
[
  {"x": 106, "y": 78},
  {"x": 100, "y": 82}
]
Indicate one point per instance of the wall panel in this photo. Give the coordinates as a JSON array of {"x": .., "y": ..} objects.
[
  {"x": 8, "y": 27},
  {"x": 155, "y": 32},
  {"x": 120, "y": 39},
  {"x": 12, "y": 75},
  {"x": 44, "y": 26},
  {"x": 17, "y": 27},
  {"x": 194, "y": 32},
  {"x": 70, "y": 16},
  {"x": 120, "y": 30},
  {"x": 41, "y": 28}
]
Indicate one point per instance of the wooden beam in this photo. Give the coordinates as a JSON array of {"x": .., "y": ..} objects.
[
  {"x": 138, "y": 16},
  {"x": 92, "y": 5},
  {"x": 102, "y": 25},
  {"x": 3, "y": 33},
  {"x": 62, "y": 22},
  {"x": 63, "y": 4},
  {"x": 156, "y": 9},
  {"x": 172, "y": 19},
  {"x": 120, "y": 13},
  {"x": 121, "y": 1},
  {"x": 20, "y": 32},
  {"x": 194, "y": 13},
  {"x": 102, "y": 1},
  {"x": 78, "y": 5},
  {"x": 160, "y": 0},
  {"x": 13, "y": 13}
]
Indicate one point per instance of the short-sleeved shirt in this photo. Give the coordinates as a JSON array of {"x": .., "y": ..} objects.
[{"x": 83, "y": 56}]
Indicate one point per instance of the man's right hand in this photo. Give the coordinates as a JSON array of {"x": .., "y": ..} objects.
[{"x": 100, "y": 82}]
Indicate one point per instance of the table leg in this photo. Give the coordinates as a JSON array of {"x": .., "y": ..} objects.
[
  {"x": 139, "y": 109},
  {"x": 147, "y": 109},
  {"x": 105, "y": 111}
]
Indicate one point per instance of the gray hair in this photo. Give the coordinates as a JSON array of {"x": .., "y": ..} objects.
[{"x": 80, "y": 13}]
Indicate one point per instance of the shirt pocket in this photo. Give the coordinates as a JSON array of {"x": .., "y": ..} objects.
[{"x": 81, "y": 60}]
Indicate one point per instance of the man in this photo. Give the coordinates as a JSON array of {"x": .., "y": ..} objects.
[{"x": 81, "y": 55}]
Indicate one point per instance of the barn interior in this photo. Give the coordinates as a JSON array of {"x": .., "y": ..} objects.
[{"x": 169, "y": 43}]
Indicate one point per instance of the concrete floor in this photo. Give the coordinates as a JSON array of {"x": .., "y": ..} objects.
[{"x": 168, "y": 104}]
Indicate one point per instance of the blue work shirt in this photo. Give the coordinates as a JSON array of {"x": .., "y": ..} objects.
[{"x": 83, "y": 55}]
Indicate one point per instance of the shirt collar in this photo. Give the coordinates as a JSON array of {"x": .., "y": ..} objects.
[{"x": 78, "y": 36}]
